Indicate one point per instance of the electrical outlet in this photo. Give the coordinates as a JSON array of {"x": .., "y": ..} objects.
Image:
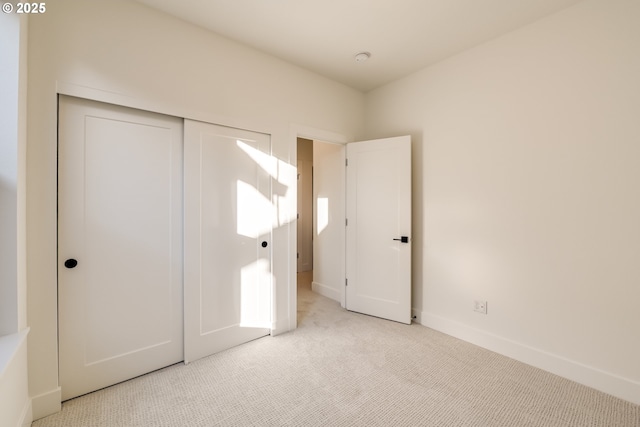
[{"x": 480, "y": 307}]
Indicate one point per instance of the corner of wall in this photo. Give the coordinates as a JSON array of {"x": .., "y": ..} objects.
[
  {"x": 27, "y": 415},
  {"x": 15, "y": 405},
  {"x": 326, "y": 291}
]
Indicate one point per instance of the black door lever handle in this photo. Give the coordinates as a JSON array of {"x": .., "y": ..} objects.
[{"x": 403, "y": 239}]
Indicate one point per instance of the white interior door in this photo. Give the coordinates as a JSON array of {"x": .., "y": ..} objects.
[
  {"x": 228, "y": 222},
  {"x": 379, "y": 228},
  {"x": 119, "y": 244}
]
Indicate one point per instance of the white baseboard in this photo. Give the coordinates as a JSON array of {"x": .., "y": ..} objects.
[
  {"x": 46, "y": 404},
  {"x": 326, "y": 291},
  {"x": 27, "y": 415},
  {"x": 606, "y": 382}
]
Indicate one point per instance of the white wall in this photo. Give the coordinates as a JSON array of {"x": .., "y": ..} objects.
[
  {"x": 526, "y": 184},
  {"x": 329, "y": 215},
  {"x": 15, "y": 405},
  {"x": 123, "y": 51}
]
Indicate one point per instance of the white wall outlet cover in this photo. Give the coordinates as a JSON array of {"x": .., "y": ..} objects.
[{"x": 480, "y": 307}]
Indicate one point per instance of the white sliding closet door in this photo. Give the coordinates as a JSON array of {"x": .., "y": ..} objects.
[
  {"x": 119, "y": 244},
  {"x": 228, "y": 222}
]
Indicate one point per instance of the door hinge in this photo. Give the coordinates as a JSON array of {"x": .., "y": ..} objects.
[
  {"x": 346, "y": 222},
  {"x": 346, "y": 162},
  {"x": 298, "y": 255},
  {"x": 346, "y": 282}
]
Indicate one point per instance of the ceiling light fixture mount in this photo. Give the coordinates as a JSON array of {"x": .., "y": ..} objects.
[{"x": 362, "y": 56}]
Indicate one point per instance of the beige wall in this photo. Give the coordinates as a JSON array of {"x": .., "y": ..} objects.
[
  {"x": 527, "y": 153},
  {"x": 123, "y": 51}
]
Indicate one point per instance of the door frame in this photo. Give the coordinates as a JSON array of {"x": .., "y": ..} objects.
[{"x": 325, "y": 136}]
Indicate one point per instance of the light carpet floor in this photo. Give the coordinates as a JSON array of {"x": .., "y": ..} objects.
[{"x": 345, "y": 369}]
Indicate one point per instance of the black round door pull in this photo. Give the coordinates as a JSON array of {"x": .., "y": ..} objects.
[
  {"x": 264, "y": 244},
  {"x": 70, "y": 263}
]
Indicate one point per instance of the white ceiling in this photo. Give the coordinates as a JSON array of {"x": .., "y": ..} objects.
[{"x": 323, "y": 36}]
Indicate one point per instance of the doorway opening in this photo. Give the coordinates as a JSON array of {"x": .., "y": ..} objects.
[
  {"x": 304, "y": 223},
  {"x": 321, "y": 213},
  {"x": 305, "y": 207},
  {"x": 378, "y": 233}
]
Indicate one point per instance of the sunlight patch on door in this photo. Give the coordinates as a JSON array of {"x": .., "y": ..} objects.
[
  {"x": 284, "y": 174},
  {"x": 255, "y": 295},
  {"x": 322, "y": 214},
  {"x": 267, "y": 162},
  {"x": 254, "y": 211}
]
